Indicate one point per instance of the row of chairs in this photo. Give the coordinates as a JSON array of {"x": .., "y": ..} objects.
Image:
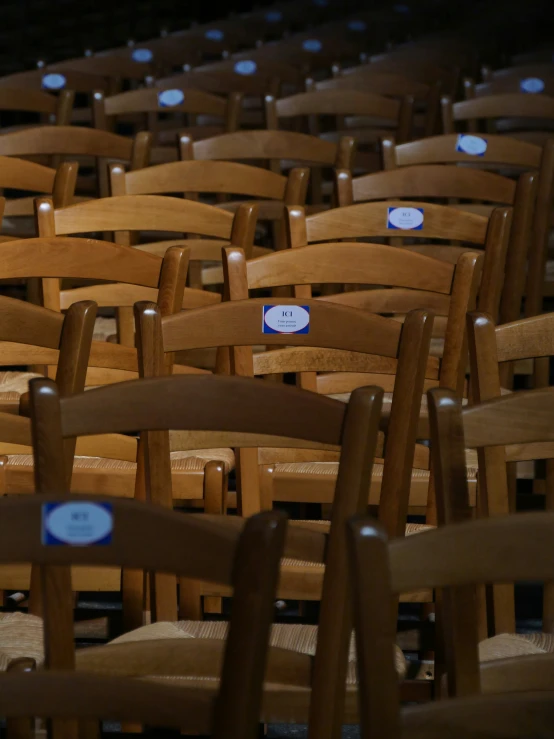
[
  {"x": 454, "y": 555},
  {"x": 285, "y": 445}
]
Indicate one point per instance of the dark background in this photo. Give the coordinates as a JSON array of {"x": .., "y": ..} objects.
[{"x": 51, "y": 30}]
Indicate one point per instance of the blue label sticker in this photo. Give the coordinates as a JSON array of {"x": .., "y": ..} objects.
[
  {"x": 532, "y": 84},
  {"x": 54, "y": 81},
  {"x": 286, "y": 319},
  {"x": 312, "y": 44},
  {"x": 357, "y": 25},
  {"x": 246, "y": 66},
  {"x": 274, "y": 16},
  {"x": 321, "y": 3},
  {"x": 468, "y": 144},
  {"x": 214, "y": 34},
  {"x": 401, "y": 8},
  {"x": 142, "y": 55},
  {"x": 405, "y": 219},
  {"x": 170, "y": 98},
  {"x": 77, "y": 524}
]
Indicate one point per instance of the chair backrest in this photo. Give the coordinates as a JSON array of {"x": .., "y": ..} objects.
[
  {"x": 390, "y": 84},
  {"x": 415, "y": 68},
  {"x": 57, "y": 109},
  {"x": 44, "y": 79},
  {"x": 76, "y": 140},
  {"x": 247, "y": 559},
  {"x": 524, "y": 115},
  {"x": 53, "y": 141},
  {"x": 490, "y": 349},
  {"x": 498, "y": 153},
  {"x": 108, "y": 65},
  {"x": 235, "y": 406},
  {"x": 366, "y": 342},
  {"x": 220, "y": 82},
  {"x": 152, "y": 101},
  {"x": 219, "y": 178},
  {"x": 520, "y": 419},
  {"x": 270, "y": 145},
  {"x": 307, "y": 51},
  {"x": 382, "y": 111},
  {"x": 373, "y": 220},
  {"x": 275, "y": 149},
  {"x": 451, "y": 557},
  {"x": 443, "y": 181},
  {"x": 191, "y": 178},
  {"x": 20, "y": 174},
  {"x": 530, "y": 78}
]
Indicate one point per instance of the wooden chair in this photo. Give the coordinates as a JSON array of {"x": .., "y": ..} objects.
[
  {"x": 222, "y": 179},
  {"x": 19, "y": 174},
  {"x": 110, "y": 467},
  {"x": 450, "y": 182},
  {"x": 257, "y": 411},
  {"x": 245, "y": 558},
  {"x": 275, "y": 149},
  {"x": 532, "y": 79},
  {"x": 499, "y": 153},
  {"x": 453, "y": 558},
  {"x": 89, "y": 145},
  {"x": 149, "y": 103},
  {"x": 496, "y": 428},
  {"x": 287, "y": 479},
  {"x": 527, "y": 117},
  {"x": 370, "y": 221},
  {"x": 50, "y": 108},
  {"x": 374, "y": 116},
  {"x": 392, "y": 85},
  {"x": 493, "y": 353}
]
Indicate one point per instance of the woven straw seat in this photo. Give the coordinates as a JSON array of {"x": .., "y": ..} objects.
[
  {"x": 298, "y": 638},
  {"x": 104, "y": 328},
  {"x": 14, "y": 384},
  {"x": 193, "y": 460},
  {"x": 503, "y": 646},
  {"x": 331, "y": 468},
  {"x": 20, "y": 636}
]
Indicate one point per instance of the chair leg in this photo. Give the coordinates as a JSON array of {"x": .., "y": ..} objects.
[
  {"x": 548, "y": 595},
  {"x": 215, "y": 501}
]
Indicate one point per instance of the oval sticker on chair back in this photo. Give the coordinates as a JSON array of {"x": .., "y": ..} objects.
[
  {"x": 214, "y": 34},
  {"x": 286, "y": 319},
  {"x": 474, "y": 145},
  {"x": 246, "y": 66},
  {"x": 357, "y": 25},
  {"x": 312, "y": 44},
  {"x": 171, "y": 98},
  {"x": 532, "y": 84},
  {"x": 77, "y": 524},
  {"x": 405, "y": 219},
  {"x": 274, "y": 16},
  {"x": 53, "y": 81},
  {"x": 142, "y": 55}
]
